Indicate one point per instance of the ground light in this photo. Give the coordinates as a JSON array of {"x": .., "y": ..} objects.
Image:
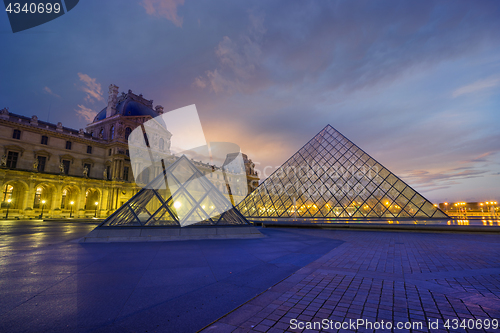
[{"x": 95, "y": 210}]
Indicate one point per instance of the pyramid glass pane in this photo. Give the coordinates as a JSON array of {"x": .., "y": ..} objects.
[
  {"x": 195, "y": 201},
  {"x": 331, "y": 177}
]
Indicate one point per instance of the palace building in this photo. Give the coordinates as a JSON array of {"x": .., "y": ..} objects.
[{"x": 51, "y": 171}]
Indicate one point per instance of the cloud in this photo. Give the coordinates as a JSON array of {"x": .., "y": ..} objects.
[
  {"x": 92, "y": 88},
  {"x": 442, "y": 179},
  {"x": 86, "y": 113},
  {"x": 240, "y": 60},
  {"x": 50, "y": 92},
  {"x": 164, "y": 8},
  {"x": 198, "y": 82},
  {"x": 477, "y": 86}
]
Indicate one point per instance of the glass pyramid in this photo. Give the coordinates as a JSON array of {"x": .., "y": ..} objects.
[
  {"x": 188, "y": 199},
  {"x": 330, "y": 177}
]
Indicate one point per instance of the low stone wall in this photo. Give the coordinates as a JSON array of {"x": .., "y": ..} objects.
[{"x": 148, "y": 234}]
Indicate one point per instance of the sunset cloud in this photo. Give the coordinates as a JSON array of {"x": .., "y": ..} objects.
[
  {"x": 91, "y": 87},
  {"x": 164, "y": 8},
  {"x": 477, "y": 86},
  {"x": 85, "y": 113},
  {"x": 50, "y": 92}
]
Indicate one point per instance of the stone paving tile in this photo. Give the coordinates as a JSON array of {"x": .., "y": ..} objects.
[{"x": 390, "y": 276}]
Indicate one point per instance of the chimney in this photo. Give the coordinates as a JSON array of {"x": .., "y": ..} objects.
[
  {"x": 159, "y": 109},
  {"x": 112, "y": 100}
]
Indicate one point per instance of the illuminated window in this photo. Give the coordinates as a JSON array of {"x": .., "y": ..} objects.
[{"x": 7, "y": 192}]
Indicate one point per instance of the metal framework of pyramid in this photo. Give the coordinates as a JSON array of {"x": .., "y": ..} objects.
[
  {"x": 154, "y": 205},
  {"x": 330, "y": 177}
]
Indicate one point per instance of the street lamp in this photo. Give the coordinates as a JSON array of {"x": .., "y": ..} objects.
[
  {"x": 446, "y": 206},
  {"x": 43, "y": 206},
  {"x": 8, "y": 206},
  {"x": 95, "y": 210},
  {"x": 71, "y": 211}
]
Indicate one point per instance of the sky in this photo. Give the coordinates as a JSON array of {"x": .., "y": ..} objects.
[{"x": 415, "y": 84}]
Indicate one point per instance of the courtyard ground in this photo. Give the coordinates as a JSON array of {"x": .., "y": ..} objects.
[{"x": 51, "y": 283}]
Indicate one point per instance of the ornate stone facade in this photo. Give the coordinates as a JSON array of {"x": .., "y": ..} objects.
[{"x": 67, "y": 172}]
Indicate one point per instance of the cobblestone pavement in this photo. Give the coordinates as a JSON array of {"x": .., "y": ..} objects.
[{"x": 396, "y": 277}]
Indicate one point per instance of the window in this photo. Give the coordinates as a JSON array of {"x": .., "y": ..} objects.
[
  {"x": 16, "y": 134},
  {"x": 38, "y": 196},
  {"x": 66, "y": 164},
  {"x": 108, "y": 172},
  {"x": 42, "y": 160},
  {"x": 101, "y": 133},
  {"x": 12, "y": 157},
  {"x": 127, "y": 153},
  {"x": 125, "y": 173},
  {"x": 7, "y": 192},
  {"x": 112, "y": 133},
  {"x": 128, "y": 130},
  {"x": 161, "y": 144},
  {"x": 89, "y": 149},
  {"x": 109, "y": 152},
  {"x": 45, "y": 140},
  {"x": 92, "y": 134},
  {"x": 68, "y": 145},
  {"x": 88, "y": 166}
]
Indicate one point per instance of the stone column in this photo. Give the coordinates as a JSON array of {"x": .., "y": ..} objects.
[
  {"x": 57, "y": 197},
  {"x": 105, "y": 197}
]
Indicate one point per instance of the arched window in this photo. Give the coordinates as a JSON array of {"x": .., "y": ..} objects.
[
  {"x": 101, "y": 132},
  {"x": 161, "y": 144},
  {"x": 112, "y": 133},
  {"x": 128, "y": 130},
  {"x": 7, "y": 192}
]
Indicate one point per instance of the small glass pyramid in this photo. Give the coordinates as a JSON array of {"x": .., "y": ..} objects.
[
  {"x": 330, "y": 177},
  {"x": 188, "y": 199}
]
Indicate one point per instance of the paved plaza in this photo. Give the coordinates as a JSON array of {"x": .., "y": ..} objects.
[
  {"x": 51, "y": 283},
  {"x": 395, "y": 277}
]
